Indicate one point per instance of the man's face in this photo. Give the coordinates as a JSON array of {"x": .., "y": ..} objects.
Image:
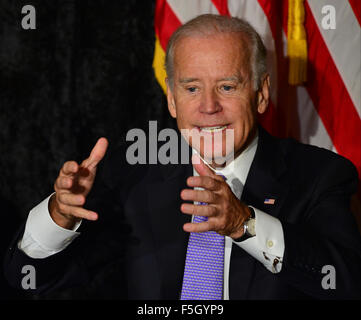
[{"x": 213, "y": 92}]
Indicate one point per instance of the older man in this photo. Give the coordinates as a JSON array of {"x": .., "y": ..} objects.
[{"x": 265, "y": 226}]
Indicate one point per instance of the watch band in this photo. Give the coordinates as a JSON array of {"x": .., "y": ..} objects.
[{"x": 248, "y": 227}]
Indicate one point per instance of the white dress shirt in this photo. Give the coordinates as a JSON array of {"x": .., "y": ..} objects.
[{"x": 43, "y": 237}]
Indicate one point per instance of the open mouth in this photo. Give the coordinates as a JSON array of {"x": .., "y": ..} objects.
[{"x": 213, "y": 129}]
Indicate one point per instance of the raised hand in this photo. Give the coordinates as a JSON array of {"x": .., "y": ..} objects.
[
  {"x": 226, "y": 214},
  {"x": 72, "y": 187}
]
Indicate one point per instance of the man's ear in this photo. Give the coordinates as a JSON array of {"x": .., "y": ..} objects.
[
  {"x": 170, "y": 99},
  {"x": 263, "y": 94}
]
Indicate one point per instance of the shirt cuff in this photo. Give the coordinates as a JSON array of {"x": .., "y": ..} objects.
[
  {"x": 42, "y": 234},
  {"x": 267, "y": 246}
]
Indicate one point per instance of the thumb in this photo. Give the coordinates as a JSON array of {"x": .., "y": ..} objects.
[
  {"x": 97, "y": 154},
  {"x": 201, "y": 167}
]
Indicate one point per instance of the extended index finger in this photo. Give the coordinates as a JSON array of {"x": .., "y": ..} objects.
[{"x": 97, "y": 154}]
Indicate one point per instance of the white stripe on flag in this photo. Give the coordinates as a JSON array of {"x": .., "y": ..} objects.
[
  {"x": 311, "y": 128},
  {"x": 344, "y": 44},
  {"x": 252, "y": 12},
  {"x": 186, "y": 10}
]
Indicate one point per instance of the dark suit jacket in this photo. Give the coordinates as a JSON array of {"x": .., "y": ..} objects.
[{"x": 140, "y": 226}]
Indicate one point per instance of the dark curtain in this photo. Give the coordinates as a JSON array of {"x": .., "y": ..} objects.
[{"x": 84, "y": 72}]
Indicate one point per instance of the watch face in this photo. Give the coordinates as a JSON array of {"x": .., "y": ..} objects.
[{"x": 251, "y": 227}]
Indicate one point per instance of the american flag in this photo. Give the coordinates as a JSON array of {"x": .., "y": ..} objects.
[
  {"x": 326, "y": 110},
  {"x": 269, "y": 201}
]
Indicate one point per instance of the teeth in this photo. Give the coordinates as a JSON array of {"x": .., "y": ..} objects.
[{"x": 213, "y": 129}]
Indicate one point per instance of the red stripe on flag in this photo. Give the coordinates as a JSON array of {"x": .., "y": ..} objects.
[
  {"x": 222, "y": 7},
  {"x": 356, "y": 7},
  {"x": 165, "y": 22},
  {"x": 275, "y": 119},
  {"x": 272, "y": 10},
  {"x": 268, "y": 119},
  {"x": 330, "y": 96}
]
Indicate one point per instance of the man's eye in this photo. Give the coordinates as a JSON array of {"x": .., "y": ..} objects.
[
  {"x": 227, "y": 88},
  {"x": 192, "y": 89}
]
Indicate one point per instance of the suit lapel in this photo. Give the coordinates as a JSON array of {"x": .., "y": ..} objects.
[{"x": 265, "y": 178}]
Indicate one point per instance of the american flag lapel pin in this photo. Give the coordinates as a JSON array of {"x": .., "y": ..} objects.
[{"x": 269, "y": 201}]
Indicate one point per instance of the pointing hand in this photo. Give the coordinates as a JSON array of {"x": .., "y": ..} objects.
[{"x": 72, "y": 187}]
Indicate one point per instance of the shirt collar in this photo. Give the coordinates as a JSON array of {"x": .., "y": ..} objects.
[{"x": 238, "y": 169}]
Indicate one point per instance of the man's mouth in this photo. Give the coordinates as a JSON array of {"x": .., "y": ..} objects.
[{"x": 213, "y": 129}]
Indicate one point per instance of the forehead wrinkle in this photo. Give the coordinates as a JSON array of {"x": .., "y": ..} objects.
[
  {"x": 239, "y": 62},
  {"x": 188, "y": 80},
  {"x": 231, "y": 78}
]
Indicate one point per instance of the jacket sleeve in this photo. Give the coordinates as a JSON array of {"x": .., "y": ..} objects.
[
  {"x": 326, "y": 240},
  {"x": 99, "y": 245}
]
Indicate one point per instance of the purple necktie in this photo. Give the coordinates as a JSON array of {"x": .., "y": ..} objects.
[{"x": 203, "y": 271}]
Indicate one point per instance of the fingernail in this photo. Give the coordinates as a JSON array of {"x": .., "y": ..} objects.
[
  {"x": 94, "y": 216},
  {"x": 186, "y": 207},
  {"x": 186, "y": 228}
]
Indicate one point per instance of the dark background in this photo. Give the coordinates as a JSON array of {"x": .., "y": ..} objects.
[{"x": 85, "y": 72}]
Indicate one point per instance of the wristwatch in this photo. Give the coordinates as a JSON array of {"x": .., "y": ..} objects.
[{"x": 249, "y": 227}]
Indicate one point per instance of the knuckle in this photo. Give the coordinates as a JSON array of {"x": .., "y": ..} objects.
[
  {"x": 59, "y": 182},
  {"x": 66, "y": 183},
  {"x": 212, "y": 225},
  {"x": 207, "y": 182},
  {"x": 212, "y": 210},
  {"x": 81, "y": 200},
  {"x": 201, "y": 210},
  {"x": 212, "y": 183},
  {"x": 63, "y": 199},
  {"x": 222, "y": 225},
  {"x": 209, "y": 196},
  {"x": 62, "y": 207},
  {"x": 201, "y": 228},
  {"x": 198, "y": 180},
  {"x": 57, "y": 197}
]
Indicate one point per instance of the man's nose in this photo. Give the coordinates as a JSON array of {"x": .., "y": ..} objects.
[{"x": 209, "y": 103}]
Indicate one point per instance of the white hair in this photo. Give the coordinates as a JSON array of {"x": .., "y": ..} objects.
[{"x": 210, "y": 24}]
